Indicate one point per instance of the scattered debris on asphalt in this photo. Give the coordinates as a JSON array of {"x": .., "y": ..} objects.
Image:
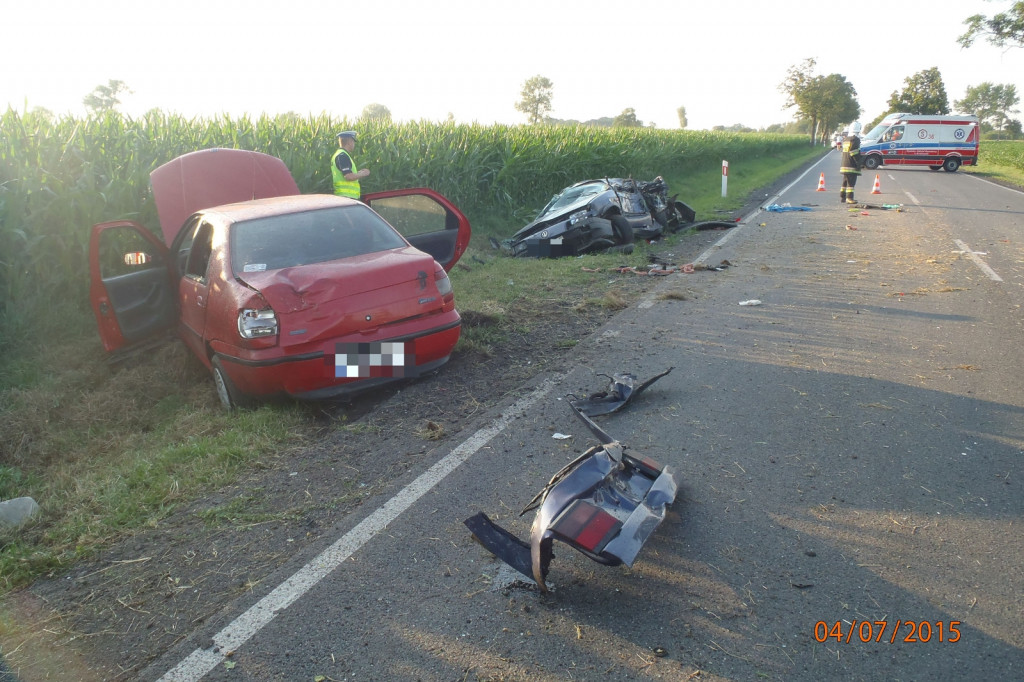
[
  {"x": 621, "y": 388},
  {"x": 776, "y": 208},
  {"x": 662, "y": 268},
  {"x": 882, "y": 207}
]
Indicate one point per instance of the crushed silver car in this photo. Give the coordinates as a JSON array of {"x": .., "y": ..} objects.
[{"x": 609, "y": 213}]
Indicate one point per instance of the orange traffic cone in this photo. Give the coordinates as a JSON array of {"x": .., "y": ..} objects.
[
  {"x": 877, "y": 189},
  {"x": 821, "y": 183}
]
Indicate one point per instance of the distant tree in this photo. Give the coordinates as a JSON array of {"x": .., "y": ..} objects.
[
  {"x": 288, "y": 118},
  {"x": 1004, "y": 28},
  {"x": 627, "y": 119},
  {"x": 734, "y": 128},
  {"x": 451, "y": 118},
  {"x": 992, "y": 104},
  {"x": 536, "y": 99},
  {"x": 924, "y": 93},
  {"x": 838, "y": 104},
  {"x": 105, "y": 97},
  {"x": 43, "y": 113},
  {"x": 823, "y": 100},
  {"x": 377, "y": 112},
  {"x": 681, "y": 111}
]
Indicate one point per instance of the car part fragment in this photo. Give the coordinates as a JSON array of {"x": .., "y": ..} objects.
[
  {"x": 621, "y": 388},
  {"x": 605, "y": 504}
]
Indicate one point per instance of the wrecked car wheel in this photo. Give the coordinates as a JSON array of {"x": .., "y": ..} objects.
[
  {"x": 623, "y": 235},
  {"x": 230, "y": 397},
  {"x": 623, "y": 231}
]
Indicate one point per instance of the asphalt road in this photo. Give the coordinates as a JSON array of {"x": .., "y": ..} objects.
[{"x": 849, "y": 453}]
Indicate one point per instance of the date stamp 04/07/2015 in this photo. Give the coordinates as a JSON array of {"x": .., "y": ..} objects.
[{"x": 865, "y": 631}]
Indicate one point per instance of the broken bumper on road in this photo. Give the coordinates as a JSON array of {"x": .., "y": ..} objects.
[{"x": 605, "y": 504}]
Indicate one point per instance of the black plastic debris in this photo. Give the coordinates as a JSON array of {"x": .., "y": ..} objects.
[{"x": 621, "y": 389}]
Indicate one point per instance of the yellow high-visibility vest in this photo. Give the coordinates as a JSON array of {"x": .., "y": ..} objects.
[{"x": 343, "y": 187}]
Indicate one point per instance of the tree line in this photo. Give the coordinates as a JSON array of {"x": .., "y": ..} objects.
[{"x": 825, "y": 102}]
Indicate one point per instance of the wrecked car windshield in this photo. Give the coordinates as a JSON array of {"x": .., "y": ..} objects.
[
  {"x": 293, "y": 239},
  {"x": 572, "y": 195}
]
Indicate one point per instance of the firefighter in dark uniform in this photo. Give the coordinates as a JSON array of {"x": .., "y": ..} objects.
[
  {"x": 850, "y": 165},
  {"x": 344, "y": 172}
]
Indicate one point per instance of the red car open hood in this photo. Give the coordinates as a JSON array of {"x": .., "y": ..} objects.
[{"x": 213, "y": 177}]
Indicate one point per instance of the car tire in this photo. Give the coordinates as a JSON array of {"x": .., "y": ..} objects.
[
  {"x": 871, "y": 162},
  {"x": 230, "y": 397},
  {"x": 623, "y": 232},
  {"x": 951, "y": 164}
]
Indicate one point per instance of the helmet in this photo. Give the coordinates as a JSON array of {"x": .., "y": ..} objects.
[{"x": 855, "y": 128}]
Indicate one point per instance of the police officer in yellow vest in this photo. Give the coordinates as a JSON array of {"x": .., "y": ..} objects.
[{"x": 343, "y": 167}]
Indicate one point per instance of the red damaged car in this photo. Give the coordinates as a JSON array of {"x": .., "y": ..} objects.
[{"x": 279, "y": 292}]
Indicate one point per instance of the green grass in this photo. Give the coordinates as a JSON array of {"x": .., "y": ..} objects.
[
  {"x": 105, "y": 452},
  {"x": 1002, "y": 161}
]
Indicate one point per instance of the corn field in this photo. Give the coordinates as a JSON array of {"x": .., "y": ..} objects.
[
  {"x": 1002, "y": 153},
  {"x": 59, "y": 176}
]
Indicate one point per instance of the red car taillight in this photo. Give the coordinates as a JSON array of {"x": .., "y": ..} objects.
[
  {"x": 444, "y": 287},
  {"x": 257, "y": 324},
  {"x": 587, "y": 526}
]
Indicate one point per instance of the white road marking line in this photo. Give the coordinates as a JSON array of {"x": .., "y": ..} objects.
[
  {"x": 983, "y": 179},
  {"x": 201, "y": 661},
  {"x": 982, "y": 265},
  {"x": 912, "y": 198}
]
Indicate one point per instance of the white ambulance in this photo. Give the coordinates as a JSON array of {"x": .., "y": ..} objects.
[{"x": 946, "y": 142}]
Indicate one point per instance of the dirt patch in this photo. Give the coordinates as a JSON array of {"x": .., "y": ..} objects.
[{"x": 109, "y": 617}]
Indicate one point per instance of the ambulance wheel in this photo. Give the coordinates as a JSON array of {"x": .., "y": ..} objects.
[
  {"x": 871, "y": 162},
  {"x": 951, "y": 164}
]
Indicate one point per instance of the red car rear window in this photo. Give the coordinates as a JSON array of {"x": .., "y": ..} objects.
[{"x": 294, "y": 239}]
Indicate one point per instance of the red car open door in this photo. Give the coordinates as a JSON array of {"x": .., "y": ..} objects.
[
  {"x": 430, "y": 222},
  {"x": 130, "y": 289}
]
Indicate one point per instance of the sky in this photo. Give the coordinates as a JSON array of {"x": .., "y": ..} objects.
[{"x": 722, "y": 60}]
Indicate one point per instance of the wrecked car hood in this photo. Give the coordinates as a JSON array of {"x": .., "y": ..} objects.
[
  {"x": 214, "y": 177},
  {"x": 558, "y": 207}
]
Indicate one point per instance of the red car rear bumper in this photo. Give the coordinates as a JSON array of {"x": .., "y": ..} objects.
[{"x": 341, "y": 365}]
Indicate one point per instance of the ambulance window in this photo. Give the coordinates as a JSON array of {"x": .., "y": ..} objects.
[{"x": 895, "y": 133}]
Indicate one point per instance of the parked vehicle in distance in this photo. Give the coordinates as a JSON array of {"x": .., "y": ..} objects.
[
  {"x": 609, "y": 213},
  {"x": 945, "y": 142},
  {"x": 278, "y": 292}
]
